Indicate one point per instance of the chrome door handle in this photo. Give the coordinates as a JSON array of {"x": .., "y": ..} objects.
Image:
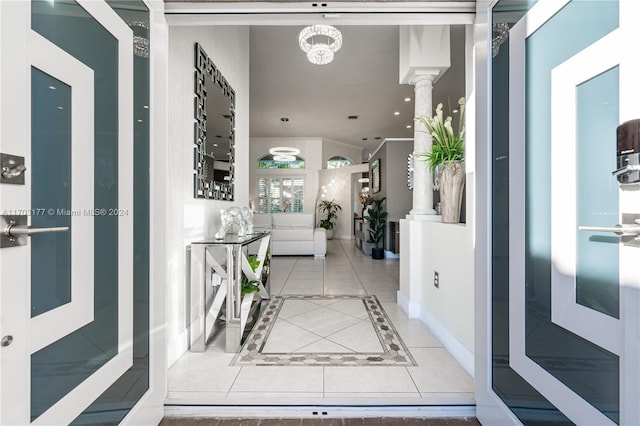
[
  {"x": 621, "y": 230},
  {"x": 626, "y": 169},
  {"x": 15, "y": 231}
]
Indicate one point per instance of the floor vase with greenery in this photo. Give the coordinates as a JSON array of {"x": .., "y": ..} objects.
[{"x": 447, "y": 156}]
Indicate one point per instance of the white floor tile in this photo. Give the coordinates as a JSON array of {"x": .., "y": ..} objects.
[
  {"x": 385, "y": 295},
  {"x": 302, "y": 287},
  {"x": 360, "y": 337},
  {"x": 286, "y": 337},
  {"x": 271, "y": 395},
  {"x": 354, "y": 308},
  {"x": 306, "y": 275},
  {"x": 438, "y": 371},
  {"x": 372, "y": 395},
  {"x": 415, "y": 334},
  {"x": 367, "y": 379},
  {"x": 292, "y": 308},
  {"x": 189, "y": 372},
  {"x": 394, "y": 311},
  {"x": 324, "y": 346},
  {"x": 323, "y": 321},
  {"x": 279, "y": 379}
]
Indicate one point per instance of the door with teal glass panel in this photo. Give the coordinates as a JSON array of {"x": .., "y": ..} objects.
[
  {"x": 563, "y": 82},
  {"x": 75, "y": 100}
]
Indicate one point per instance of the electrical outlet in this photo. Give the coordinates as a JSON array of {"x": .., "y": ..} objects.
[{"x": 436, "y": 279}]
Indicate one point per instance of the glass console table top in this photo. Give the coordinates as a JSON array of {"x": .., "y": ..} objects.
[{"x": 234, "y": 239}]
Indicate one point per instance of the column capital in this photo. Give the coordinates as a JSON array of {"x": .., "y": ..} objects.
[{"x": 423, "y": 80}]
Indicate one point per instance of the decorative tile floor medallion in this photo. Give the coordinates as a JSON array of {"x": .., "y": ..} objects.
[{"x": 324, "y": 330}]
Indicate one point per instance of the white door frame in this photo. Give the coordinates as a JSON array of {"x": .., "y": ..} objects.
[
  {"x": 150, "y": 408},
  {"x": 488, "y": 405}
]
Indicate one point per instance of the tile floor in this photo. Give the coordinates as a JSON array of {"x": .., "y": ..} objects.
[{"x": 209, "y": 377}]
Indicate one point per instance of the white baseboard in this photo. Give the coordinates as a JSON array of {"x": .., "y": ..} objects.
[
  {"x": 412, "y": 309},
  {"x": 459, "y": 351}
]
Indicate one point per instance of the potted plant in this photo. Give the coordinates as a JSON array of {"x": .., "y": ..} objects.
[
  {"x": 377, "y": 219},
  {"x": 447, "y": 158},
  {"x": 330, "y": 210}
]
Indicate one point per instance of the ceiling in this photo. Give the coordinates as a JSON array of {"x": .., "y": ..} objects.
[{"x": 318, "y": 99}]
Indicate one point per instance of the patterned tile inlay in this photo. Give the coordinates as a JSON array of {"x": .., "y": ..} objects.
[{"x": 394, "y": 352}]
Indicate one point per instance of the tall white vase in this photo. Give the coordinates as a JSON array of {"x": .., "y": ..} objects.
[{"x": 452, "y": 177}]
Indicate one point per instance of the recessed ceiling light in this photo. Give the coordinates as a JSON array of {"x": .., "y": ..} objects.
[
  {"x": 396, "y": 113},
  {"x": 215, "y": 144},
  {"x": 378, "y": 138},
  {"x": 353, "y": 117},
  {"x": 408, "y": 126},
  {"x": 407, "y": 99},
  {"x": 284, "y": 119},
  {"x": 364, "y": 139},
  {"x": 52, "y": 87}
]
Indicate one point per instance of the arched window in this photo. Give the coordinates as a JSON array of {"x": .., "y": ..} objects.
[
  {"x": 268, "y": 162},
  {"x": 338, "y": 161}
]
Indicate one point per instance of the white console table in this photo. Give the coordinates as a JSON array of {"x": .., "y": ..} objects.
[{"x": 217, "y": 267}]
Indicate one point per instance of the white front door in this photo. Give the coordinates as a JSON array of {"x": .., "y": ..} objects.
[
  {"x": 565, "y": 311},
  {"x": 74, "y": 290}
]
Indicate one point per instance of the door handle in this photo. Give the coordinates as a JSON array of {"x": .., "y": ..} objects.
[
  {"x": 15, "y": 231},
  {"x": 621, "y": 230}
]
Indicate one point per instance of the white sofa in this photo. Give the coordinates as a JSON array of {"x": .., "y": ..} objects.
[{"x": 293, "y": 234}]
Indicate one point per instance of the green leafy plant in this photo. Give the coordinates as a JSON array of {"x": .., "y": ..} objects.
[
  {"x": 250, "y": 286},
  {"x": 448, "y": 143},
  {"x": 377, "y": 218},
  {"x": 330, "y": 210}
]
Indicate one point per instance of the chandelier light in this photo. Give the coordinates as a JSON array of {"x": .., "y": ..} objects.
[
  {"x": 284, "y": 150},
  {"x": 320, "y": 42}
]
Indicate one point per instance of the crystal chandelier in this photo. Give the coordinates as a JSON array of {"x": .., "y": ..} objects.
[{"x": 320, "y": 42}]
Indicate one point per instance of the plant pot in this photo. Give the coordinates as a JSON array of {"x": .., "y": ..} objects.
[
  {"x": 452, "y": 177},
  {"x": 329, "y": 234},
  {"x": 377, "y": 253}
]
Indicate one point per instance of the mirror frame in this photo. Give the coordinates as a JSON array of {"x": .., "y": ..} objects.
[{"x": 203, "y": 188}]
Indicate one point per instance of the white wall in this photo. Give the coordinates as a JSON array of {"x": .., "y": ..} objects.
[
  {"x": 331, "y": 148},
  {"x": 191, "y": 219},
  {"x": 336, "y": 184}
]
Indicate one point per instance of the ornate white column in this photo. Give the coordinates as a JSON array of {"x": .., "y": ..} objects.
[
  {"x": 422, "y": 177},
  {"x": 424, "y": 56}
]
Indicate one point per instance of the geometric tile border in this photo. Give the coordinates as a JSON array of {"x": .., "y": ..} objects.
[{"x": 395, "y": 352}]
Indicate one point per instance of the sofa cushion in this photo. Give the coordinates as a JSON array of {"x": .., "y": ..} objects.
[
  {"x": 292, "y": 220},
  {"x": 284, "y": 233}
]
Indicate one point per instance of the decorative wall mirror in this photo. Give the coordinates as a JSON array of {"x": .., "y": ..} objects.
[
  {"x": 214, "y": 137},
  {"x": 375, "y": 176}
]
